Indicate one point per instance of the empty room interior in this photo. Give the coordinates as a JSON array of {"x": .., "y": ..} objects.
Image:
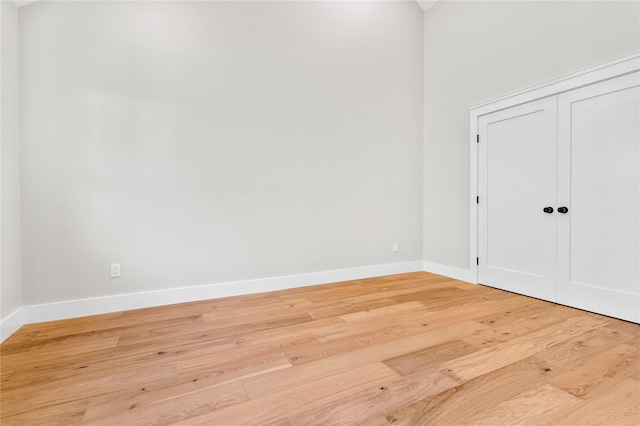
[{"x": 320, "y": 212}]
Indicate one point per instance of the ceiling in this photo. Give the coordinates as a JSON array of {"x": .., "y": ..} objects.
[
  {"x": 20, "y": 3},
  {"x": 424, "y": 4}
]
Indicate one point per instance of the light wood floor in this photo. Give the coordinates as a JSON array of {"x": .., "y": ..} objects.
[{"x": 410, "y": 349}]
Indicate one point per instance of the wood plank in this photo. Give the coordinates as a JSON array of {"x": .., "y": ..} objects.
[
  {"x": 520, "y": 326},
  {"x": 177, "y": 407},
  {"x": 429, "y": 358},
  {"x": 187, "y": 382},
  {"x": 49, "y": 351},
  {"x": 19, "y": 402},
  {"x": 600, "y": 373},
  {"x": 280, "y": 422},
  {"x": 114, "y": 324},
  {"x": 289, "y": 400},
  {"x": 576, "y": 349},
  {"x": 373, "y": 421},
  {"x": 612, "y": 408},
  {"x": 70, "y": 413},
  {"x": 444, "y": 353},
  {"x": 459, "y": 404},
  {"x": 541, "y": 405},
  {"x": 376, "y": 401},
  {"x": 350, "y": 359},
  {"x": 71, "y": 369},
  {"x": 343, "y": 307},
  {"x": 515, "y": 309},
  {"x": 489, "y": 359}
]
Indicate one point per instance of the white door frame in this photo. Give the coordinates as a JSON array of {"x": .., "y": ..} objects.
[{"x": 606, "y": 71}]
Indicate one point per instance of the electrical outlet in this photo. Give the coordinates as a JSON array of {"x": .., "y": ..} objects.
[
  {"x": 395, "y": 247},
  {"x": 115, "y": 270}
]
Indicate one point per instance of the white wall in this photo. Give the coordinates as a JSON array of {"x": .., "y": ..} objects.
[
  {"x": 209, "y": 142},
  {"x": 476, "y": 51},
  {"x": 10, "y": 279}
]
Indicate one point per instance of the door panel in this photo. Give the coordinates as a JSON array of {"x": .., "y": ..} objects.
[
  {"x": 517, "y": 179},
  {"x": 599, "y": 181}
]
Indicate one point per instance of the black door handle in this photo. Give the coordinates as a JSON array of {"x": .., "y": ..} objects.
[
  {"x": 563, "y": 210},
  {"x": 548, "y": 210}
]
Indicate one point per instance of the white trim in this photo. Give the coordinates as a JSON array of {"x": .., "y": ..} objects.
[
  {"x": 449, "y": 271},
  {"x": 123, "y": 302},
  {"x": 606, "y": 71},
  {"x": 473, "y": 193},
  {"x": 11, "y": 323}
]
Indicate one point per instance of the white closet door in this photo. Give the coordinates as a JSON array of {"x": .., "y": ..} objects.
[
  {"x": 516, "y": 181},
  {"x": 599, "y": 183}
]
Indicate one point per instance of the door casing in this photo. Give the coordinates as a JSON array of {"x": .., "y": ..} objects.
[{"x": 606, "y": 71}]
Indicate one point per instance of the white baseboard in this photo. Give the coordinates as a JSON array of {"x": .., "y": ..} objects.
[
  {"x": 449, "y": 271},
  {"x": 12, "y": 323},
  {"x": 123, "y": 302}
]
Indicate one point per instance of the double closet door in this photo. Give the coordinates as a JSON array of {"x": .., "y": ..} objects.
[{"x": 559, "y": 198}]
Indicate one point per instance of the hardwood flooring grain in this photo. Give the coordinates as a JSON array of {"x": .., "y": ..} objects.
[{"x": 407, "y": 349}]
